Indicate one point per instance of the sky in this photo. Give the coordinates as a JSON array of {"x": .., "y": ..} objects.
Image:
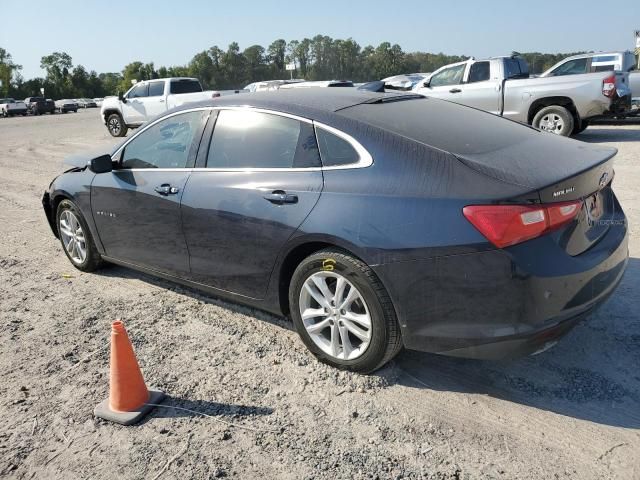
[{"x": 105, "y": 36}]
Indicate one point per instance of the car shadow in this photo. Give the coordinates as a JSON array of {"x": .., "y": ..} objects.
[
  {"x": 115, "y": 271},
  {"x": 175, "y": 407},
  {"x": 594, "y": 134},
  {"x": 591, "y": 374}
]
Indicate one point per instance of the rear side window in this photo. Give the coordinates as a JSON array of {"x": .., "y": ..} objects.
[
  {"x": 603, "y": 68},
  {"x": 139, "y": 91},
  {"x": 165, "y": 144},
  {"x": 479, "y": 72},
  {"x": 247, "y": 139},
  {"x": 185, "y": 86},
  {"x": 156, "y": 89},
  {"x": 334, "y": 150},
  {"x": 516, "y": 68}
]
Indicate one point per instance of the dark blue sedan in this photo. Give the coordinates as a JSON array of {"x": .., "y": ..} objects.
[{"x": 374, "y": 220}]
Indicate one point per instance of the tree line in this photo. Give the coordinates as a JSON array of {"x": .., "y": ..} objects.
[{"x": 317, "y": 58}]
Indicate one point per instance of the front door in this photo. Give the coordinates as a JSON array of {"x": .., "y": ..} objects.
[
  {"x": 155, "y": 102},
  {"x": 262, "y": 179},
  {"x": 137, "y": 206},
  {"x": 133, "y": 111}
]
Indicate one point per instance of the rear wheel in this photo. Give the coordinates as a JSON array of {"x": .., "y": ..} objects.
[
  {"x": 116, "y": 125},
  {"x": 554, "y": 119},
  {"x": 76, "y": 238},
  {"x": 343, "y": 313}
]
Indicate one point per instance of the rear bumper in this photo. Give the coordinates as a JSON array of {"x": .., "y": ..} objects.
[{"x": 502, "y": 303}]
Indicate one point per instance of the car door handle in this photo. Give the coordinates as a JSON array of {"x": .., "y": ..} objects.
[
  {"x": 161, "y": 100},
  {"x": 280, "y": 197},
  {"x": 455, "y": 90},
  {"x": 166, "y": 189}
]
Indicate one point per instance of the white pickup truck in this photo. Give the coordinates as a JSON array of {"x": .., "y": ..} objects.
[
  {"x": 148, "y": 99},
  {"x": 501, "y": 85},
  {"x": 9, "y": 107}
]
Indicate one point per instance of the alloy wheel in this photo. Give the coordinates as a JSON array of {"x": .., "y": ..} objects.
[
  {"x": 552, "y": 122},
  {"x": 335, "y": 315},
  {"x": 114, "y": 126},
  {"x": 73, "y": 237}
]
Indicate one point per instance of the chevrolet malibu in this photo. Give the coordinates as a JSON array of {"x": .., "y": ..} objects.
[{"x": 376, "y": 221}]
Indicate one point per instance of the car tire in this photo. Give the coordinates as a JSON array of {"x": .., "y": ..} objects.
[
  {"x": 80, "y": 249},
  {"x": 116, "y": 125},
  {"x": 554, "y": 119},
  {"x": 377, "y": 337}
]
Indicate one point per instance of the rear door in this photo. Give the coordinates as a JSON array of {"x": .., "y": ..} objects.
[
  {"x": 261, "y": 178},
  {"x": 136, "y": 207},
  {"x": 482, "y": 87}
]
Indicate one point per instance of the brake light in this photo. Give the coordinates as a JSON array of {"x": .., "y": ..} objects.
[
  {"x": 505, "y": 225},
  {"x": 609, "y": 86}
]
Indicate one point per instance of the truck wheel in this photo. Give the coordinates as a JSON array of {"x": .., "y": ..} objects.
[
  {"x": 343, "y": 313},
  {"x": 116, "y": 125},
  {"x": 554, "y": 119}
]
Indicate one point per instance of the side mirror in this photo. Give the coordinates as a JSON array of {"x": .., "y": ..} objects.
[
  {"x": 101, "y": 164},
  {"x": 122, "y": 98}
]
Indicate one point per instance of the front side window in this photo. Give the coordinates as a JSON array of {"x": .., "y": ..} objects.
[
  {"x": 249, "y": 139},
  {"x": 156, "y": 89},
  {"x": 572, "y": 67},
  {"x": 140, "y": 90},
  {"x": 335, "y": 150},
  {"x": 479, "y": 72},
  {"x": 448, "y": 76},
  {"x": 165, "y": 144}
]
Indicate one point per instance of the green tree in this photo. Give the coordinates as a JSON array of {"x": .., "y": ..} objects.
[{"x": 8, "y": 70}]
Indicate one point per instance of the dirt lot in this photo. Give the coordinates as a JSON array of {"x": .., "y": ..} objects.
[{"x": 571, "y": 412}]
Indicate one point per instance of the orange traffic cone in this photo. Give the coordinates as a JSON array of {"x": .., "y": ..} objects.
[{"x": 129, "y": 399}]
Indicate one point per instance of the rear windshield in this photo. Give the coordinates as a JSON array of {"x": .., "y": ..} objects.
[{"x": 185, "y": 86}]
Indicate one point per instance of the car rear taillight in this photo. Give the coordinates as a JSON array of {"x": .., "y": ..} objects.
[
  {"x": 609, "y": 86},
  {"x": 505, "y": 225}
]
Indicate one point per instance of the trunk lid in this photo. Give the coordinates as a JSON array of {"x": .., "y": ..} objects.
[{"x": 560, "y": 170}]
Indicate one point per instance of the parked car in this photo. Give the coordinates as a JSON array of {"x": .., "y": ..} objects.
[
  {"x": 601, "y": 62},
  {"x": 86, "y": 103},
  {"x": 268, "y": 85},
  {"x": 40, "y": 105},
  {"x": 148, "y": 99},
  {"x": 501, "y": 85},
  {"x": 375, "y": 220},
  {"x": 404, "y": 82},
  {"x": 322, "y": 83},
  {"x": 66, "y": 105},
  {"x": 98, "y": 101},
  {"x": 9, "y": 107}
]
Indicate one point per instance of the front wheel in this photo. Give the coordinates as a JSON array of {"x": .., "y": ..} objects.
[
  {"x": 343, "y": 313},
  {"x": 554, "y": 119},
  {"x": 116, "y": 125},
  {"x": 76, "y": 238}
]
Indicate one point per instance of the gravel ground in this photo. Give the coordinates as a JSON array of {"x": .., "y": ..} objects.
[{"x": 270, "y": 410}]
